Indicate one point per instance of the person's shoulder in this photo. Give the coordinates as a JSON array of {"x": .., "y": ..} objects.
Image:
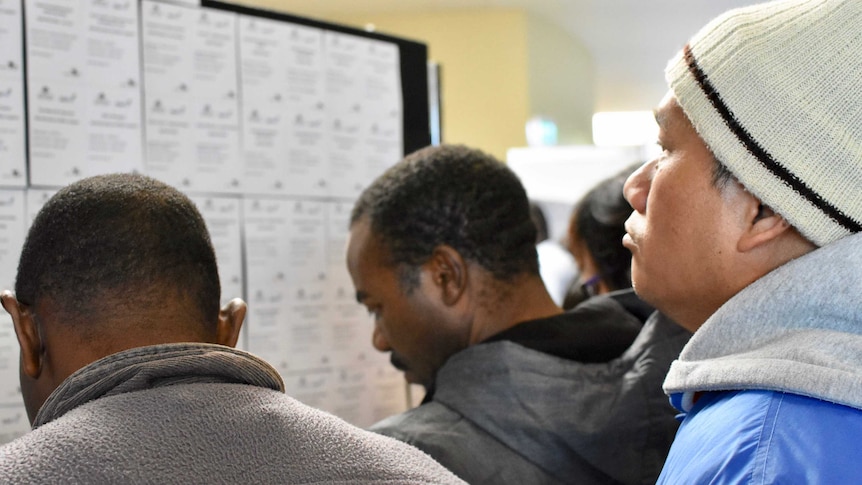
[
  {"x": 43, "y": 455},
  {"x": 273, "y": 439},
  {"x": 422, "y": 424},
  {"x": 436, "y": 429},
  {"x": 759, "y": 436},
  {"x": 461, "y": 446},
  {"x": 825, "y": 433}
]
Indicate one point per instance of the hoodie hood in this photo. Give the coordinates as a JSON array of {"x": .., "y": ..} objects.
[
  {"x": 797, "y": 329},
  {"x": 567, "y": 416}
]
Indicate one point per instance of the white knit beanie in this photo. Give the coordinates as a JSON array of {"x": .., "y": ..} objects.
[{"x": 775, "y": 91}]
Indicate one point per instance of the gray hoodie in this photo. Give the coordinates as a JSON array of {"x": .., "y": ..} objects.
[{"x": 798, "y": 329}]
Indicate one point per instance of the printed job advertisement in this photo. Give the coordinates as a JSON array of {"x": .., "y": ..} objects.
[
  {"x": 313, "y": 387},
  {"x": 382, "y": 146},
  {"x": 265, "y": 223},
  {"x": 13, "y": 416},
  {"x": 167, "y": 32},
  {"x": 349, "y": 328},
  {"x": 217, "y": 147},
  {"x": 192, "y": 100},
  {"x": 55, "y": 59},
  {"x": 264, "y": 119},
  {"x": 84, "y": 89},
  {"x": 170, "y": 145},
  {"x": 284, "y": 108},
  {"x": 214, "y": 87},
  {"x": 305, "y": 268},
  {"x": 365, "y": 385},
  {"x": 381, "y": 80},
  {"x": 344, "y": 112},
  {"x": 389, "y": 390},
  {"x": 361, "y": 395},
  {"x": 351, "y": 392},
  {"x": 13, "y": 226},
  {"x": 306, "y": 163},
  {"x": 264, "y": 150},
  {"x": 307, "y": 167},
  {"x": 350, "y": 325},
  {"x": 222, "y": 216},
  {"x": 10, "y": 393},
  {"x": 286, "y": 272},
  {"x": 364, "y": 110},
  {"x": 35, "y": 199},
  {"x": 383, "y": 140},
  {"x": 383, "y": 108},
  {"x": 306, "y": 347},
  {"x": 13, "y": 163}
]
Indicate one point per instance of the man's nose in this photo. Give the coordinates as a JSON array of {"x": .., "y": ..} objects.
[
  {"x": 379, "y": 341},
  {"x": 636, "y": 188}
]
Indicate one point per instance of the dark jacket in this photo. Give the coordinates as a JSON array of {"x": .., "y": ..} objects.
[{"x": 504, "y": 413}]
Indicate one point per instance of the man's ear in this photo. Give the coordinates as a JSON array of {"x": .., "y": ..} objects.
[
  {"x": 29, "y": 338},
  {"x": 449, "y": 272},
  {"x": 764, "y": 225},
  {"x": 230, "y": 319}
]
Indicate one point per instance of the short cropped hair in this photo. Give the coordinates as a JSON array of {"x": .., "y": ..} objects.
[
  {"x": 107, "y": 239},
  {"x": 452, "y": 195}
]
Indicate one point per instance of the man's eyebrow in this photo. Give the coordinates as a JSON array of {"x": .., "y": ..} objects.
[{"x": 361, "y": 296}]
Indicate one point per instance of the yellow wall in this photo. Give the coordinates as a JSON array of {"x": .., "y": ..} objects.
[
  {"x": 561, "y": 81},
  {"x": 499, "y": 67}
]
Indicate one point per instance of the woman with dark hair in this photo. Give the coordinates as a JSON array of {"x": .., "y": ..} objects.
[{"x": 595, "y": 234}]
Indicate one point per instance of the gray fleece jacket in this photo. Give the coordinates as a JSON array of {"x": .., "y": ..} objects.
[
  {"x": 798, "y": 329},
  {"x": 198, "y": 413}
]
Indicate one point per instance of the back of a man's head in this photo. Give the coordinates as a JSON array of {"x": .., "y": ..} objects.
[
  {"x": 457, "y": 196},
  {"x": 117, "y": 246}
]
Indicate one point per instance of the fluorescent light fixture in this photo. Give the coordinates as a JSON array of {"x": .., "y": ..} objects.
[{"x": 624, "y": 128}]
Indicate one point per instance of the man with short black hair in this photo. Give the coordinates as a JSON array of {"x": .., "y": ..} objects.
[
  {"x": 745, "y": 231},
  {"x": 127, "y": 366},
  {"x": 442, "y": 252}
]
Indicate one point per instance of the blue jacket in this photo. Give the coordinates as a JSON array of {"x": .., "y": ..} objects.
[
  {"x": 764, "y": 437},
  {"x": 771, "y": 384}
]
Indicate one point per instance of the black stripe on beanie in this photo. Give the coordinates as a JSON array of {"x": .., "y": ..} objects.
[{"x": 762, "y": 155}]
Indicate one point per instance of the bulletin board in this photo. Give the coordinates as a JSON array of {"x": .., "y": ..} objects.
[{"x": 273, "y": 124}]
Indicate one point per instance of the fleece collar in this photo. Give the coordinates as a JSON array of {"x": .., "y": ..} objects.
[{"x": 155, "y": 366}]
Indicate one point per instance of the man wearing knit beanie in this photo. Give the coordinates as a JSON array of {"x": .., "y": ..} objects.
[{"x": 746, "y": 230}]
